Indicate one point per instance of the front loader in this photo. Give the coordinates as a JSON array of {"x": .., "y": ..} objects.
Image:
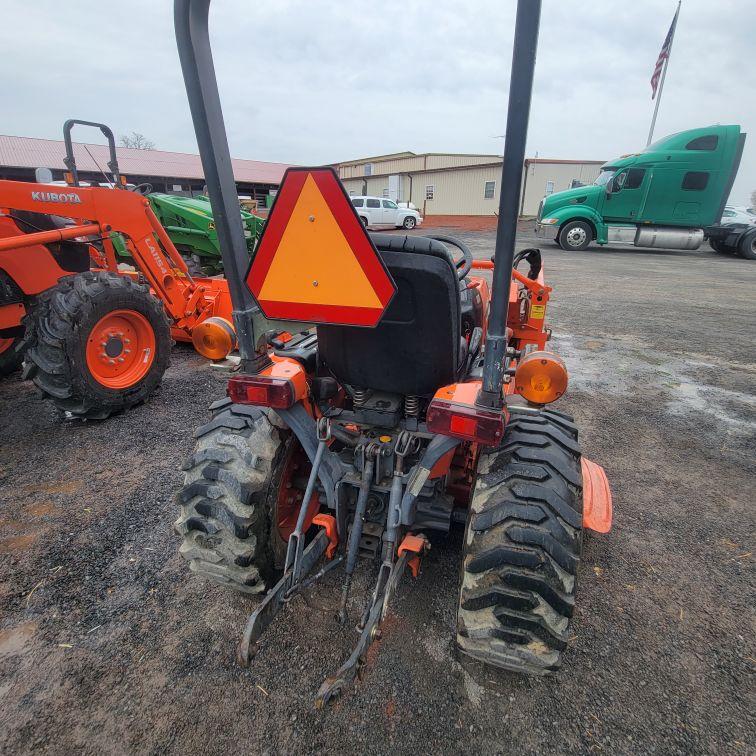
[
  {"x": 418, "y": 400},
  {"x": 96, "y": 338}
]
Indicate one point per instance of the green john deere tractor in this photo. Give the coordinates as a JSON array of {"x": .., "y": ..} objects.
[{"x": 191, "y": 227}]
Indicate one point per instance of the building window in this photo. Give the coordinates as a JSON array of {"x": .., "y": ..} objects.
[
  {"x": 429, "y": 191},
  {"x": 549, "y": 187},
  {"x": 695, "y": 181},
  {"x": 488, "y": 191},
  {"x": 368, "y": 169},
  {"x": 386, "y": 192}
]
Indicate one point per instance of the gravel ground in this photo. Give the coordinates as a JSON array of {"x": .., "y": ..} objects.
[{"x": 108, "y": 645}]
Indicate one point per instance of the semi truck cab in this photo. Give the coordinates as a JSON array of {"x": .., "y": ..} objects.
[{"x": 667, "y": 195}]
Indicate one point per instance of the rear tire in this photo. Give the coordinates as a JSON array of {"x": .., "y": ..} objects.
[
  {"x": 522, "y": 546},
  {"x": 193, "y": 266},
  {"x": 721, "y": 248},
  {"x": 575, "y": 236},
  {"x": 62, "y": 331},
  {"x": 747, "y": 245},
  {"x": 230, "y": 480}
]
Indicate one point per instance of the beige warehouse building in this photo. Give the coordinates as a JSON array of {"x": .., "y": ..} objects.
[{"x": 446, "y": 184}]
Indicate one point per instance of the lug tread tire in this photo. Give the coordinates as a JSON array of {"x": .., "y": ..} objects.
[
  {"x": 224, "y": 520},
  {"x": 522, "y": 546},
  {"x": 747, "y": 245},
  {"x": 57, "y": 334}
]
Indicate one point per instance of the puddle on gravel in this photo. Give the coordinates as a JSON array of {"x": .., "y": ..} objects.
[
  {"x": 13, "y": 639},
  {"x": 634, "y": 369}
]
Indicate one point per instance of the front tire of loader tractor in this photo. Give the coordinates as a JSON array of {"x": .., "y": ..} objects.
[
  {"x": 99, "y": 343},
  {"x": 522, "y": 546},
  {"x": 230, "y": 481}
]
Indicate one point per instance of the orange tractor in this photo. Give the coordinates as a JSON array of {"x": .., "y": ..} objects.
[
  {"x": 419, "y": 401},
  {"x": 95, "y": 338}
]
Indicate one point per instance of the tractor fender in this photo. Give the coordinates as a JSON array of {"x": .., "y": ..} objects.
[{"x": 597, "y": 497}]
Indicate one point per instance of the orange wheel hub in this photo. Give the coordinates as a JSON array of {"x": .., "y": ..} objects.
[{"x": 121, "y": 349}]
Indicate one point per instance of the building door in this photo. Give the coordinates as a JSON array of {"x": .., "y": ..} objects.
[{"x": 395, "y": 188}]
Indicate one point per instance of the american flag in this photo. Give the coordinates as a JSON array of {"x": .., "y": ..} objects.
[{"x": 663, "y": 55}]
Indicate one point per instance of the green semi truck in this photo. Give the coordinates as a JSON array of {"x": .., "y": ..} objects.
[{"x": 670, "y": 195}]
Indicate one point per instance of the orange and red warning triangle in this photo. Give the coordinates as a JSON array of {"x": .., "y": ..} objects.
[{"x": 315, "y": 261}]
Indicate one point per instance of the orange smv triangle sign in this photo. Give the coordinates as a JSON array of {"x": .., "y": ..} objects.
[{"x": 315, "y": 261}]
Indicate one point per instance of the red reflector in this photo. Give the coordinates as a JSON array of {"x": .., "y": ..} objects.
[
  {"x": 463, "y": 421},
  {"x": 262, "y": 390},
  {"x": 463, "y": 426}
]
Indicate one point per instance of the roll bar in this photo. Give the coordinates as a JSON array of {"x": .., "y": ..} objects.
[
  {"x": 192, "y": 36},
  {"x": 518, "y": 113},
  {"x": 70, "y": 161}
]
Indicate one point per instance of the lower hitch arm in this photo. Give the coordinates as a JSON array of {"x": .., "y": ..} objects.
[
  {"x": 346, "y": 673},
  {"x": 390, "y": 572}
]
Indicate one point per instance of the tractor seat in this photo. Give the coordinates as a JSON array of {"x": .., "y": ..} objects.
[{"x": 416, "y": 348}]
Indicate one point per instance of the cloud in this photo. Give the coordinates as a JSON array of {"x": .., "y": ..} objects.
[{"x": 313, "y": 82}]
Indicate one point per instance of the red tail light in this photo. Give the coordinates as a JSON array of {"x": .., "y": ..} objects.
[
  {"x": 261, "y": 390},
  {"x": 464, "y": 421}
]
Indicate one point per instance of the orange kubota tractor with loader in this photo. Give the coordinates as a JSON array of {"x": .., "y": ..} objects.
[
  {"x": 96, "y": 338},
  {"x": 418, "y": 401}
]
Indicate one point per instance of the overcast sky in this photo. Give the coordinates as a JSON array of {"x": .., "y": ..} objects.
[{"x": 314, "y": 82}]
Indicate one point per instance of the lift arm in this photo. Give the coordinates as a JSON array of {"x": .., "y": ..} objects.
[{"x": 97, "y": 210}]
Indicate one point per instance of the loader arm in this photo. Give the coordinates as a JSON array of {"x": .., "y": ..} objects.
[{"x": 104, "y": 211}]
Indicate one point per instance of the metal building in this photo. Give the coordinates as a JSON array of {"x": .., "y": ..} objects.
[
  {"x": 171, "y": 172},
  {"x": 448, "y": 184}
]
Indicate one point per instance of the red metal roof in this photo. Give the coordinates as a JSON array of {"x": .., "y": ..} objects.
[{"x": 27, "y": 152}]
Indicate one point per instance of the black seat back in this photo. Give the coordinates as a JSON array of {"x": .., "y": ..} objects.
[{"x": 415, "y": 349}]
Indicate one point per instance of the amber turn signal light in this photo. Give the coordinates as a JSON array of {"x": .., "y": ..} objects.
[
  {"x": 214, "y": 338},
  {"x": 541, "y": 377}
]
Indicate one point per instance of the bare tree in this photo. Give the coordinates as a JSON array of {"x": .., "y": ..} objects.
[{"x": 137, "y": 141}]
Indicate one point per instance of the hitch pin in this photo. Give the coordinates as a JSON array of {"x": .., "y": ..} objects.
[{"x": 295, "y": 546}]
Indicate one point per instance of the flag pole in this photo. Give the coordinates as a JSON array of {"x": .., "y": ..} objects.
[{"x": 663, "y": 76}]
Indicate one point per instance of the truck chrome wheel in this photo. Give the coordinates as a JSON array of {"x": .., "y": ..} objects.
[{"x": 576, "y": 237}]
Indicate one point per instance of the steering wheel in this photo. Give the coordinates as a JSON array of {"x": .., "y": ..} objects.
[
  {"x": 142, "y": 189},
  {"x": 464, "y": 264}
]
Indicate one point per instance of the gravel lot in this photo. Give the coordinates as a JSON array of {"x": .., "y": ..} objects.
[{"x": 108, "y": 645}]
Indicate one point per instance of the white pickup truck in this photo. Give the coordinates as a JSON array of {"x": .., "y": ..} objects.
[{"x": 377, "y": 211}]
